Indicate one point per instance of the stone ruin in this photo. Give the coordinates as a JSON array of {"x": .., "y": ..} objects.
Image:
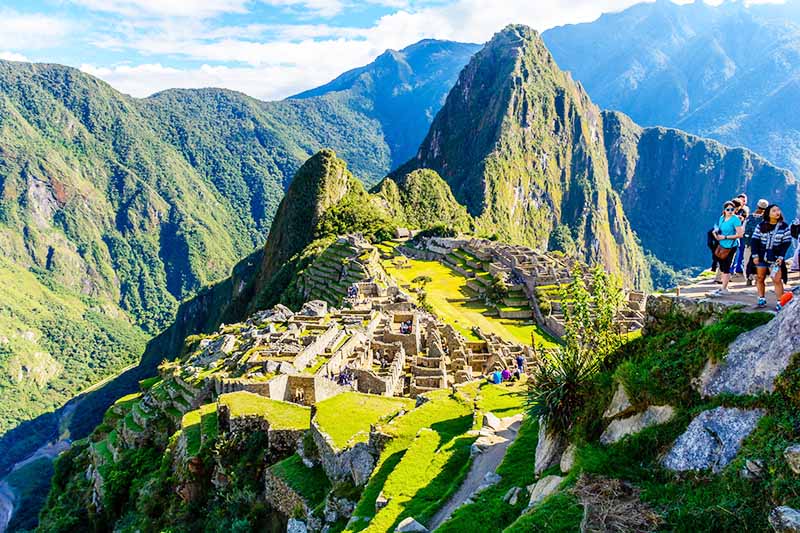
[{"x": 533, "y": 279}]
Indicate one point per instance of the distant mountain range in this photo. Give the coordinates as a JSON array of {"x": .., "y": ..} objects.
[{"x": 731, "y": 73}]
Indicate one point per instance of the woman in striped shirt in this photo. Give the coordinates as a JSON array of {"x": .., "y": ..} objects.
[{"x": 770, "y": 243}]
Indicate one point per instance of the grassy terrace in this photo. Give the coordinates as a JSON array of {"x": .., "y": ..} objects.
[
  {"x": 360, "y": 410},
  {"x": 280, "y": 415},
  {"x": 439, "y": 458},
  {"x": 448, "y": 294},
  {"x": 506, "y": 399},
  {"x": 198, "y": 423},
  {"x": 310, "y": 483}
]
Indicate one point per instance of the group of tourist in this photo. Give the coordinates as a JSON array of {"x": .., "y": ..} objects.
[
  {"x": 500, "y": 376},
  {"x": 754, "y": 245},
  {"x": 406, "y": 327}
]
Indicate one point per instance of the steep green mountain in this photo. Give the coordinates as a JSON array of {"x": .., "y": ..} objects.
[
  {"x": 421, "y": 199},
  {"x": 521, "y": 145},
  {"x": 730, "y": 72},
  {"x": 656, "y": 170},
  {"x": 402, "y": 90},
  {"x": 138, "y": 204},
  {"x": 323, "y": 200}
]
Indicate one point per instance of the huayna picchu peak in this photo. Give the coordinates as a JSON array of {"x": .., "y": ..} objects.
[
  {"x": 521, "y": 145},
  {"x": 445, "y": 291}
]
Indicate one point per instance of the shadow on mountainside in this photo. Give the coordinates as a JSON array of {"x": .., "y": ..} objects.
[{"x": 227, "y": 301}]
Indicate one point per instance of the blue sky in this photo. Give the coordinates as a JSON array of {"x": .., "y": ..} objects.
[{"x": 266, "y": 48}]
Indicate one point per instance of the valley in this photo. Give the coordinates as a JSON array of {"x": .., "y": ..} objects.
[{"x": 221, "y": 313}]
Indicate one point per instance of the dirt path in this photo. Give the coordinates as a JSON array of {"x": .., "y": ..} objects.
[{"x": 482, "y": 464}]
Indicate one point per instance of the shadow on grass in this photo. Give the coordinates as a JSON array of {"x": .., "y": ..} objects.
[
  {"x": 428, "y": 500},
  {"x": 450, "y": 428},
  {"x": 366, "y": 507}
]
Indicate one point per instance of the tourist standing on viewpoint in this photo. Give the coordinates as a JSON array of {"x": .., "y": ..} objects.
[
  {"x": 771, "y": 242},
  {"x": 795, "y": 229},
  {"x": 750, "y": 225},
  {"x": 729, "y": 231},
  {"x": 742, "y": 211}
]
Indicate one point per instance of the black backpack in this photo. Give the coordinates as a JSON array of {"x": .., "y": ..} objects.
[{"x": 711, "y": 240}]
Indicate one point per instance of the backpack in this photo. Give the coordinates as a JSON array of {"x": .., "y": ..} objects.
[
  {"x": 795, "y": 229},
  {"x": 711, "y": 239}
]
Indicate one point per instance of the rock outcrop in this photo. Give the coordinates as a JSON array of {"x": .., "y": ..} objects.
[
  {"x": 549, "y": 448},
  {"x": 544, "y": 488},
  {"x": 785, "y": 520},
  {"x": 621, "y": 428},
  {"x": 712, "y": 439},
  {"x": 756, "y": 358}
]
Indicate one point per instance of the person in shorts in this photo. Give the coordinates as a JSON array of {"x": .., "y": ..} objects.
[
  {"x": 771, "y": 242},
  {"x": 729, "y": 230}
]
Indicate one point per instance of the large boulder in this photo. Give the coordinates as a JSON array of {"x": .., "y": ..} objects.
[
  {"x": 712, "y": 439},
  {"x": 568, "y": 458},
  {"x": 409, "y": 525},
  {"x": 549, "y": 448},
  {"x": 314, "y": 308},
  {"x": 543, "y": 488},
  {"x": 620, "y": 403},
  {"x": 792, "y": 456},
  {"x": 785, "y": 520},
  {"x": 621, "y": 428},
  {"x": 756, "y": 358}
]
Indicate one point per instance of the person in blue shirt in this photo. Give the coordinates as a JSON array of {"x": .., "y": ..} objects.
[{"x": 729, "y": 230}]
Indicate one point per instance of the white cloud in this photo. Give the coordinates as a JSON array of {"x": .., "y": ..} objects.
[
  {"x": 166, "y": 8},
  {"x": 12, "y": 56},
  {"x": 29, "y": 31},
  {"x": 272, "y": 61}
]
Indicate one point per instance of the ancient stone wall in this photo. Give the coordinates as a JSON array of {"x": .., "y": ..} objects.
[{"x": 282, "y": 497}]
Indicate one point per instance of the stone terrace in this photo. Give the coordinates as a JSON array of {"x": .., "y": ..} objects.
[{"x": 534, "y": 278}]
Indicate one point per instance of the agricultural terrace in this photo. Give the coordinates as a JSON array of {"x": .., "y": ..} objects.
[
  {"x": 454, "y": 301},
  {"x": 360, "y": 410},
  {"x": 280, "y": 415}
]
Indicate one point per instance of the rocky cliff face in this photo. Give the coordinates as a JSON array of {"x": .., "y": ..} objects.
[
  {"x": 673, "y": 185},
  {"x": 521, "y": 146},
  {"x": 728, "y": 72}
]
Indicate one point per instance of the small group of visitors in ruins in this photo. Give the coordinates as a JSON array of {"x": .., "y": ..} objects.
[
  {"x": 345, "y": 377},
  {"x": 405, "y": 327},
  {"x": 498, "y": 376},
  {"x": 753, "y": 246}
]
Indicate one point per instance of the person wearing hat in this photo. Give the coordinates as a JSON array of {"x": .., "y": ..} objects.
[
  {"x": 750, "y": 225},
  {"x": 742, "y": 211}
]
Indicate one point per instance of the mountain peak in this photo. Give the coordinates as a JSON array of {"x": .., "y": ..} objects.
[
  {"x": 520, "y": 144},
  {"x": 319, "y": 184}
]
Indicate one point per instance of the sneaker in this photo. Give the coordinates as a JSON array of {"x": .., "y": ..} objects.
[
  {"x": 778, "y": 308},
  {"x": 719, "y": 292},
  {"x": 762, "y": 302}
]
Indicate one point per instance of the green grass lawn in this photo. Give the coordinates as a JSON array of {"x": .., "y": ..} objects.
[
  {"x": 310, "y": 483},
  {"x": 196, "y": 423},
  {"x": 446, "y": 415},
  {"x": 430, "y": 471},
  {"x": 280, "y": 415},
  {"x": 447, "y": 293},
  {"x": 347, "y": 417},
  {"x": 506, "y": 399}
]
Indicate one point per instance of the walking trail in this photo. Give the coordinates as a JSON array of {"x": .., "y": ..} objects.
[{"x": 482, "y": 464}]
